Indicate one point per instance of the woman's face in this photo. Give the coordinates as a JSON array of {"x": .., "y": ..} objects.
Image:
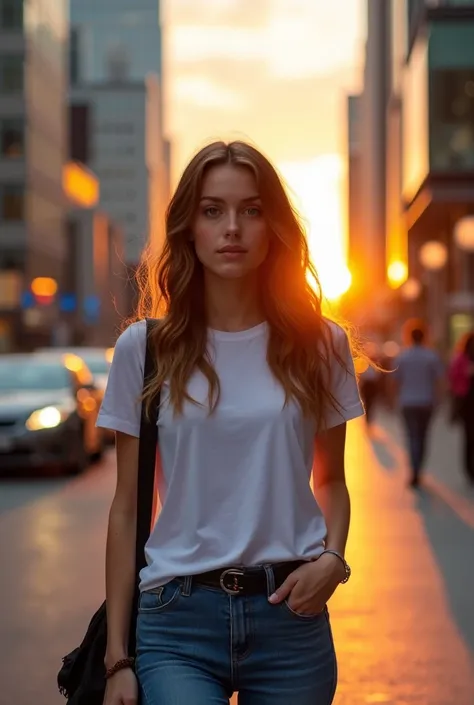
[{"x": 231, "y": 237}]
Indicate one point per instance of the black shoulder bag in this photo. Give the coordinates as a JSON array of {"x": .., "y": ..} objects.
[{"x": 82, "y": 676}]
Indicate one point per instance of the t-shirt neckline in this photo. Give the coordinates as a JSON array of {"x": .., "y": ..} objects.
[{"x": 245, "y": 334}]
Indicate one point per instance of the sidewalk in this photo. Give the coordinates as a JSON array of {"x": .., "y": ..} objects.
[
  {"x": 444, "y": 461},
  {"x": 404, "y": 624}
]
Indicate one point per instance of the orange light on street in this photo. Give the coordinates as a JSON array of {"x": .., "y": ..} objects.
[
  {"x": 391, "y": 348},
  {"x": 89, "y": 404},
  {"x": 433, "y": 255},
  {"x": 82, "y": 394},
  {"x": 411, "y": 289},
  {"x": 80, "y": 185},
  {"x": 73, "y": 362},
  {"x": 44, "y": 287},
  {"x": 397, "y": 273}
]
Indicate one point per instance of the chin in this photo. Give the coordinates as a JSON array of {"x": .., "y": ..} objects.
[{"x": 232, "y": 272}]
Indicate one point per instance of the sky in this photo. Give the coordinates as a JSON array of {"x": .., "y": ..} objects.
[{"x": 275, "y": 72}]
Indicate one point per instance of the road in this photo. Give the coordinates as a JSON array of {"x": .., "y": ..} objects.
[{"x": 403, "y": 625}]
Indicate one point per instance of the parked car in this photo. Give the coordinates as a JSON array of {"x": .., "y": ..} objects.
[
  {"x": 98, "y": 360},
  {"x": 48, "y": 411}
]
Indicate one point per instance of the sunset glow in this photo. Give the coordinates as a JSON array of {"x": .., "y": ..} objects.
[
  {"x": 314, "y": 188},
  {"x": 274, "y": 73}
]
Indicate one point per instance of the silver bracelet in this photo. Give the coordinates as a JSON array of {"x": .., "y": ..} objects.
[{"x": 346, "y": 565}]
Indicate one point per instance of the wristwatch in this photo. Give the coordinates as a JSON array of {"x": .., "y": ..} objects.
[{"x": 346, "y": 565}]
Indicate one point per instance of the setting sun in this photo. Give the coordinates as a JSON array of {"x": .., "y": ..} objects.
[{"x": 315, "y": 188}]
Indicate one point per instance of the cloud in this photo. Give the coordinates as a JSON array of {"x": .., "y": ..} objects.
[
  {"x": 293, "y": 37},
  {"x": 202, "y": 92},
  {"x": 288, "y": 47},
  {"x": 233, "y": 13},
  {"x": 274, "y": 71},
  {"x": 291, "y": 119}
]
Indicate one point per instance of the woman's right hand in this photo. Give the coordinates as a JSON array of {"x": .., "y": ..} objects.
[{"x": 122, "y": 688}]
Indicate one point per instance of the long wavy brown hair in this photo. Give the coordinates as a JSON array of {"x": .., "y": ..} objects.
[{"x": 171, "y": 288}]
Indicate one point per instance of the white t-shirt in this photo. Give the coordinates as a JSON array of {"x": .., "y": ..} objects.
[{"x": 235, "y": 485}]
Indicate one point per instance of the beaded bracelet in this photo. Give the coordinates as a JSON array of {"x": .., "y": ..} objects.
[{"x": 119, "y": 666}]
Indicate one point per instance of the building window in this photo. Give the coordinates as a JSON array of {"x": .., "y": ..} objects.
[
  {"x": 452, "y": 119},
  {"x": 11, "y": 14},
  {"x": 12, "y": 201},
  {"x": 74, "y": 56},
  {"x": 12, "y": 137},
  {"x": 11, "y": 73}
]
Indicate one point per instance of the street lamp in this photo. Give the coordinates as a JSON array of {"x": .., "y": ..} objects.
[
  {"x": 433, "y": 256},
  {"x": 410, "y": 290},
  {"x": 464, "y": 233},
  {"x": 464, "y": 239}
]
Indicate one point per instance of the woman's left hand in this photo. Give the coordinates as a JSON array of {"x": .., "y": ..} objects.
[{"x": 310, "y": 586}]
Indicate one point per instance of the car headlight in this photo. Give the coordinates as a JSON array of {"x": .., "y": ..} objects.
[{"x": 49, "y": 417}]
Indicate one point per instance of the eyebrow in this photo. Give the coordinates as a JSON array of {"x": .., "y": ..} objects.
[{"x": 216, "y": 199}]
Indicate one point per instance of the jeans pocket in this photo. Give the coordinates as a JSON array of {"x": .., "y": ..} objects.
[
  {"x": 159, "y": 599},
  {"x": 304, "y": 617}
]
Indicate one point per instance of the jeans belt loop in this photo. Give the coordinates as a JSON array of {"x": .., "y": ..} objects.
[
  {"x": 187, "y": 586},
  {"x": 270, "y": 579}
]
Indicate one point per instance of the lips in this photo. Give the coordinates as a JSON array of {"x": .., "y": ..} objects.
[{"x": 232, "y": 249}]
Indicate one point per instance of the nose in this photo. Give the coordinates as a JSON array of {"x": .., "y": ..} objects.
[{"x": 232, "y": 225}]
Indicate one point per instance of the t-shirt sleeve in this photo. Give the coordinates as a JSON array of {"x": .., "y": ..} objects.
[
  {"x": 121, "y": 406},
  {"x": 344, "y": 387}
]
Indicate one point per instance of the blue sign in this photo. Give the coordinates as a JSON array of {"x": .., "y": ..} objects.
[
  {"x": 27, "y": 299},
  {"x": 91, "y": 308},
  {"x": 67, "y": 303}
]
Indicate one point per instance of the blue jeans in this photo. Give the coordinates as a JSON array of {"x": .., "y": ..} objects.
[
  {"x": 198, "y": 645},
  {"x": 417, "y": 422}
]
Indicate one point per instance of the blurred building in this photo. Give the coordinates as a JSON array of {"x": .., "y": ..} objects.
[
  {"x": 126, "y": 150},
  {"x": 33, "y": 139},
  {"x": 115, "y": 40},
  {"x": 92, "y": 300},
  {"x": 97, "y": 280},
  {"x": 433, "y": 154},
  {"x": 415, "y": 154},
  {"x": 373, "y": 139},
  {"x": 116, "y": 90},
  {"x": 358, "y": 254},
  {"x": 367, "y": 166}
]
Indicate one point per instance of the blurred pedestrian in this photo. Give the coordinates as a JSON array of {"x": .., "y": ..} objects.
[
  {"x": 461, "y": 380},
  {"x": 256, "y": 387},
  {"x": 419, "y": 380},
  {"x": 369, "y": 382}
]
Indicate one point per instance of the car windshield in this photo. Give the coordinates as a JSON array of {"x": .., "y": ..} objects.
[
  {"x": 29, "y": 375},
  {"x": 97, "y": 365}
]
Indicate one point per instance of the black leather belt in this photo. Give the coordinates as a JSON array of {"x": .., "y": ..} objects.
[{"x": 246, "y": 581}]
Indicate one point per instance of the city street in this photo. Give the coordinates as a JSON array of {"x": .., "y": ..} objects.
[{"x": 403, "y": 625}]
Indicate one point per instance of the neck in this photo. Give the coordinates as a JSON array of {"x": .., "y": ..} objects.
[{"x": 232, "y": 304}]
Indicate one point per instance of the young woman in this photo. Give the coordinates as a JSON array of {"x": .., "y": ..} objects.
[{"x": 256, "y": 388}]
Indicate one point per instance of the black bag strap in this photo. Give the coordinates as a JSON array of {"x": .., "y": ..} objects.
[
  {"x": 146, "y": 479},
  {"x": 146, "y": 458}
]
